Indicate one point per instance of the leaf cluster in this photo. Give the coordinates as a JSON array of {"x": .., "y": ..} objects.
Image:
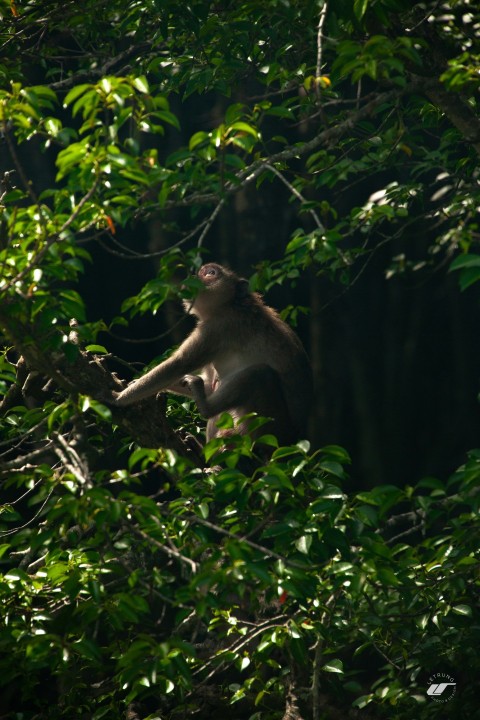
[
  {"x": 134, "y": 577},
  {"x": 113, "y": 595}
]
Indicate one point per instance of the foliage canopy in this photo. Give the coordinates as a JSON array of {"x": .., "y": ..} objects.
[{"x": 136, "y": 582}]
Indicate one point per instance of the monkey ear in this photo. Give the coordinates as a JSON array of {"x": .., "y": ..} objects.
[{"x": 243, "y": 288}]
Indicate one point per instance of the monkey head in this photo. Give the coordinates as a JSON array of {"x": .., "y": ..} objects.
[{"x": 220, "y": 287}]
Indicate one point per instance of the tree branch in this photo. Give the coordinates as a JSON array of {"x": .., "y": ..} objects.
[
  {"x": 145, "y": 422},
  {"x": 327, "y": 138},
  {"x": 460, "y": 114}
]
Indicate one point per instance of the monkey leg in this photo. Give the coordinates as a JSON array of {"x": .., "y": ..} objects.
[{"x": 256, "y": 388}]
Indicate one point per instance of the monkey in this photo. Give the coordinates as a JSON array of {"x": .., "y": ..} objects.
[{"x": 241, "y": 358}]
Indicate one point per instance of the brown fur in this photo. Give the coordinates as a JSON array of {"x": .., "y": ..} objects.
[{"x": 240, "y": 358}]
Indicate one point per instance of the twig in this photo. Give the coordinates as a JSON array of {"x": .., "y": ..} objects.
[
  {"x": 297, "y": 194},
  {"x": 321, "y": 23},
  {"x": 76, "y": 211},
  {"x": 250, "y": 543},
  {"x": 209, "y": 222},
  {"x": 174, "y": 553},
  {"x": 70, "y": 458},
  {"x": 4, "y": 533},
  {"x": 101, "y": 71},
  {"x": 317, "y": 664},
  {"x": 237, "y": 646},
  {"x": 385, "y": 657},
  {"x": 131, "y": 254},
  {"x": 25, "y": 462},
  {"x": 316, "y": 679},
  {"x": 312, "y": 212}
]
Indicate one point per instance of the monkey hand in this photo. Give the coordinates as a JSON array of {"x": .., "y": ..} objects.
[
  {"x": 120, "y": 398},
  {"x": 124, "y": 399},
  {"x": 194, "y": 386},
  {"x": 111, "y": 398},
  {"x": 194, "y": 383}
]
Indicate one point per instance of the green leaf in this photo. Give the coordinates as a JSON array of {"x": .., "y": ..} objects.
[
  {"x": 333, "y": 468},
  {"x": 387, "y": 577},
  {"x": 303, "y": 544},
  {"x": 360, "y": 8},
  {"x": 281, "y": 111},
  {"x": 75, "y": 93},
  {"x": 3, "y": 549},
  {"x": 141, "y": 83},
  {"x": 469, "y": 276},
  {"x": 44, "y": 92},
  {"x": 53, "y": 126},
  {"x": 199, "y": 138},
  {"x": 99, "y": 349},
  {"x": 332, "y": 493},
  {"x": 88, "y": 649},
  {"x": 465, "y": 261},
  {"x": 367, "y": 515},
  {"x": 363, "y": 701},
  {"x": 464, "y": 610},
  {"x": 101, "y": 410},
  {"x": 244, "y": 127},
  {"x": 334, "y": 666},
  {"x": 234, "y": 112},
  {"x": 167, "y": 117}
]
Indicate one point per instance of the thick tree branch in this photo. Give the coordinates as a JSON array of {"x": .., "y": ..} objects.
[
  {"x": 454, "y": 107},
  {"x": 328, "y": 138},
  {"x": 109, "y": 67},
  {"x": 145, "y": 422},
  {"x": 460, "y": 114}
]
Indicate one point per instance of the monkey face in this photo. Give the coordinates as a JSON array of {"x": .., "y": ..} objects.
[
  {"x": 221, "y": 287},
  {"x": 218, "y": 289},
  {"x": 210, "y": 274}
]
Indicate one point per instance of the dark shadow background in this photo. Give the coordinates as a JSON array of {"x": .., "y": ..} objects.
[{"x": 396, "y": 362}]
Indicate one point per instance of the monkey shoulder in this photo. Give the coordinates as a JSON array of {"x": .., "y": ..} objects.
[{"x": 251, "y": 330}]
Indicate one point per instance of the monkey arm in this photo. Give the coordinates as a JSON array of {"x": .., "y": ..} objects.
[
  {"x": 194, "y": 353},
  {"x": 157, "y": 379}
]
